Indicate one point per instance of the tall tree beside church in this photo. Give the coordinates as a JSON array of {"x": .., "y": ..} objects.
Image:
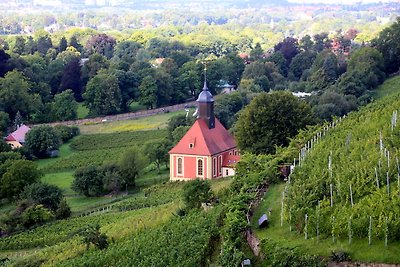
[
  {"x": 270, "y": 120},
  {"x": 71, "y": 78}
]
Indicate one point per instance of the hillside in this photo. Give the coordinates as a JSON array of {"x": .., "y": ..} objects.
[{"x": 345, "y": 194}]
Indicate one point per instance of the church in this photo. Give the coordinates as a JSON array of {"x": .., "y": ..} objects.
[{"x": 207, "y": 150}]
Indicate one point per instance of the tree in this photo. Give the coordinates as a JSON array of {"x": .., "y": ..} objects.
[
  {"x": 321, "y": 42},
  {"x": 132, "y": 164},
  {"x": 300, "y": 63},
  {"x": 41, "y": 140},
  {"x": 227, "y": 107},
  {"x": 112, "y": 180},
  {"x": 102, "y": 95},
  {"x": 127, "y": 50},
  {"x": 64, "y": 211},
  {"x": 36, "y": 215},
  {"x": 189, "y": 78},
  {"x": 91, "y": 67},
  {"x": 4, "y": 63},
  {"x": 49, "y": 196},
  {"x": 4, "y": 121},
  {"x": 92, "y": 235},
  {"x": 19, "y": 47},
  {"x": 388, "y": 43},
  {"x": 73, "y": 41},
  {"x": 44, "y": 43},
  {"x": 64, "y": 106},
  {"x": 196, "y": 192},
  {"x": 256, "y": 53},
  {"x": 14, "y": 94},
  {"x": 270, "y": 120},
  {"x": 62, "y": 45},
  {"x": 71, "y": 78},
  {"x": 288, "y": 47},
  {"x": 66, "y": 133},
  {"x": 148, "y": 92},
  {"x": 19, "y": 174},
  {"x": 157, "y": 152},
  {"x": 178, "y": 133},
  {"x": 306, "y": 43},
  {"x": 280, "y": 61},
  {"x": 88, "y": 181},
  {"x": 128, "y": 83},
  {"x": 101, "y": 44}
]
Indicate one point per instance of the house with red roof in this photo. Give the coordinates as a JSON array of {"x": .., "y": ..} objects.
[
  {"x": 16, "y": 139},
  {"x": 207, "y": 150}
]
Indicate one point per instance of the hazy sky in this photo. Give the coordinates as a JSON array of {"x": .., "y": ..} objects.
[{"x": 340, "y": 1}]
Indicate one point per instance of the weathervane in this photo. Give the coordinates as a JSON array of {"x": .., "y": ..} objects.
[{"x": 205, "y": 75}]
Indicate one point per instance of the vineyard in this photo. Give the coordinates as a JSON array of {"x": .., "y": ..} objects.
[
  {"x": 58, "y": 242},
  {"x": 97, "y": 148},
  {"x": 59, "y": 231},
  {"x": 348, "y": 185}
]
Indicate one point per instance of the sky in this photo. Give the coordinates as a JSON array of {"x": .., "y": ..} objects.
[{"x": 340, "y": 1}]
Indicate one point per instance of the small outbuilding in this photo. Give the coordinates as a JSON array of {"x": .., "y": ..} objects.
[
  {"x": 263, "y": 221},
  {"x": 16, "y": 139}
]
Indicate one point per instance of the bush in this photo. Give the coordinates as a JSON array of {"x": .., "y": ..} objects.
[
  {"x": 196, "y": 192},
  {"x": 88, "y": 181},
  {"x": 66, "y": 133},
  {"x": 91, "y": 235},
  {"x": 64, "y": 211},
  {"x": 49, "y": 196},
  {"x": 41, "y": 140},
  {"x": 340, "y": 256},
  {"x": 36, "y": 215}
]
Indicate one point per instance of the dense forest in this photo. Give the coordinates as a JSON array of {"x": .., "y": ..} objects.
[{"x": 53, "y": 75}]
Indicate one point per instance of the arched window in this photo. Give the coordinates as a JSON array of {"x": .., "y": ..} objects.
[
  {"x": 214, "y": 166},
  {"x": 200, "y": 167},
  {"x": 180, "y": 165}
]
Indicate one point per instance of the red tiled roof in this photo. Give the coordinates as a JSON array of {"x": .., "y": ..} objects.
[
  {"x": 10, "y": 138},
  {"x": 208, "y": 141},
  {"x": 19, "y": 134},
  {"x": 230, "y": 160}
]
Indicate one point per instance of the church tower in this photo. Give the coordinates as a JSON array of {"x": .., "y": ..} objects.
[{"x": 205, "y": 106}]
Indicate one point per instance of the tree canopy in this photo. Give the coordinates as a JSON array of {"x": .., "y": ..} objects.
[{"x": 270, "y": 120}]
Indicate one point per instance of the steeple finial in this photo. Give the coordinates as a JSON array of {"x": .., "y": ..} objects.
[{"x": 205, "y": 88}]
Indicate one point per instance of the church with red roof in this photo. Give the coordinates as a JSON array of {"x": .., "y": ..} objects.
[{"x": 207, "y": 150}]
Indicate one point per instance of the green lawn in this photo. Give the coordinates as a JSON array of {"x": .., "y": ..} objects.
[
  {"x": 82, "y": 111},
  {"x": 359, "y": 249},
  {"x": 61, "y": 179},
  {"x": 154, "y": 122},
  {"x": 65, "y": 151}
]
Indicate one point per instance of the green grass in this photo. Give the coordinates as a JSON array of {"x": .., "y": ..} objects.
[
  {"x": 390, "y": 86},
  {"x": 136, "y": 106},
  {"x": 159, "y": 121},
  {"x": 82, "y": 111},
  {"x": 359, "y": 249},
  {"x": 65, "y": 151},
  {"x": 61, "y": 179}
]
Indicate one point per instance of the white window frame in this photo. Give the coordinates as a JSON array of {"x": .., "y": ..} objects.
[{"x": 202, "y": 167}]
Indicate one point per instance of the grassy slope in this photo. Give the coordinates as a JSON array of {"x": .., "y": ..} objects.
[
  {"x": 359, "y": 249},
  {"x": 140, "y": 124}
]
